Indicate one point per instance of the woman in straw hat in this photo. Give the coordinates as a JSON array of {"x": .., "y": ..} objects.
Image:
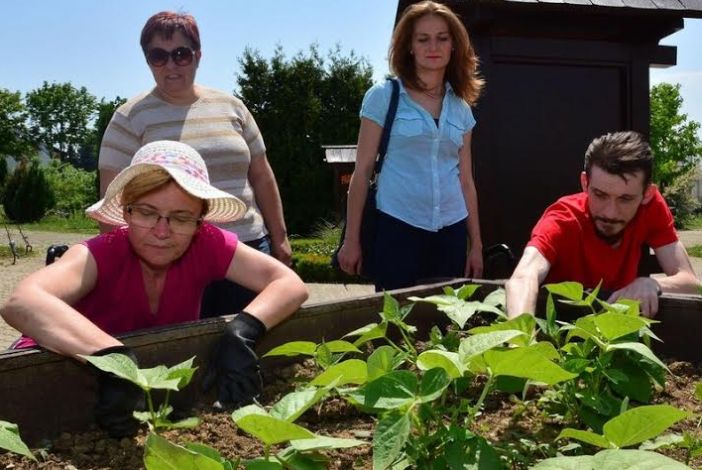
[{"x": 152, "y": 271}]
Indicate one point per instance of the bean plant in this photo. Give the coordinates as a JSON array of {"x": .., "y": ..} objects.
[
  {"x": 427, "y": 396},
  {"x": 608, "y": 349},
  {"x": 10, "y": 440},
  {"x": 159, "y": 453}
]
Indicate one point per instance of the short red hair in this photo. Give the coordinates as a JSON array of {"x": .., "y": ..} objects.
[{"x": 166, "y": 23}]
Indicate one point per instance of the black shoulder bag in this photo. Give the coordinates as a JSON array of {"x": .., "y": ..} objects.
[{"x": 370, "y": 213}]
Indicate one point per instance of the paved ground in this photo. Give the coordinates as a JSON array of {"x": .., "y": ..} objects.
[{"x": 10, "y": 274}]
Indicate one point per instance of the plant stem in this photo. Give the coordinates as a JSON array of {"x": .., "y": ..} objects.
[{"x": 483, "y": 395}]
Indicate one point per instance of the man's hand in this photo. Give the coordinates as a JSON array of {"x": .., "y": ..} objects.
[
  {"x": 644, "y": 289},
  {"x": 234, "y": 365},
  {"x": 117, "y": 399}
]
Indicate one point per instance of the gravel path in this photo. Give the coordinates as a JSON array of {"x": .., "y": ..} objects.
[{"x": 11, "y": 274}]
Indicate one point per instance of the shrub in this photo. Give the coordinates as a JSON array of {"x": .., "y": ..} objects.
[
  {"x": 679, "y": 197},
  {"x": 74, "y": 189},
  {"x": 27, "y": 194},
  {"x": 3, "y": 173}
]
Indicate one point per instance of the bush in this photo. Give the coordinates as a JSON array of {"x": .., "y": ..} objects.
[
  {"x": 679, "y": 197},
  {"x": 27, "y": 196},
  {"x": 74, "y": 189},
  {"x": 312, "y": 256},
  {"x": 3, "y": 173}
]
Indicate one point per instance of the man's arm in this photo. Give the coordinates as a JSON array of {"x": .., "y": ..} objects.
[
  {"x": 267, "y": 197},
  {"x": 679, "y": 278},
  {"x": 522, "y": 289}
]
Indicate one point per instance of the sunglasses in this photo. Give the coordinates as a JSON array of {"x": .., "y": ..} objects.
[{"x": 181, "y": 56}]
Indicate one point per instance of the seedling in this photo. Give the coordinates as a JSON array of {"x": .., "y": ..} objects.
[
  {"x": 11, "y": 440},
  {"x": 159, "y": 453}
]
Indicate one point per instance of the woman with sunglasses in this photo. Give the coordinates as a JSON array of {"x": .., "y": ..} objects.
[
  {"x": 152, "y": 271},
  {"x": 217, "y": 125}
]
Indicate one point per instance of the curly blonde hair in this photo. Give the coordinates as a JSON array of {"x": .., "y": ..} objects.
[{"x": 462, "y": 70}]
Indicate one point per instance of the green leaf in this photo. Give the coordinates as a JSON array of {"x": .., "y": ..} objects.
[
  {"x": 323, "y": 356},
  {"x": 612, "y": 459},
  {"x": 570, "y": 290},
  {"x": 120, "y": 365},
  {"x": 585, "y": 436},
  {"x": 339, "y": 346},
  {"x": 205, "y": 450},
  {"x": 523, "y": 322},
  {"x": 383, "y": 360},
  {"x": 325, "y": 443},
  {"x": 466, "y": 291},
  {"x": 263, "y": 464},
  {"x": 495, "y": 298},
  {"x": 159, "y": 454},
  {"x": 448, "y": 361},
  {"x": 368, "y": 333},
  {"x": 352, "y": 371},
  {"x": 391, "y": 309},
  {"x": 183, "y": 372},
  {"x": 479, "y": 343},
  {"x": 458, "y": 310},
  {"x": 640, "y": 349},
  {"x": 698, "y": 391},
  {"x": 639, "y": 424},
  {"x": 293, "y": 348},
  {"x": 10, "y": 440},
  {"x": 268, "y": 429},
  {"x": 159, "y": 378},
  {"x": 634, "y": 383},
  {"x": 394, "y": 390},
  {"x": 389, "y": 439},
  {"x": 294, "y": 404},
  {"x": 433, "y": 385},
  {"x": 667, "y": 440},
  {"x": 526, "y": 362},
  {"x": 615, "y": 325}
]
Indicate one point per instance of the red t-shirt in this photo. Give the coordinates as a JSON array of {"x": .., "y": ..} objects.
[
  {"x": 565, "y": 236},
  {"x": 118, "y": 302}
]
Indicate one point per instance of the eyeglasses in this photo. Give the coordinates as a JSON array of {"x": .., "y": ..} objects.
[
  {"x": 146, "y": 217},
  {"x": 158, "y": 57}
]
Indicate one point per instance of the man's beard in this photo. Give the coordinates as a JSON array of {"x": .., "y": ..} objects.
[{"x": 609, "y": 238}]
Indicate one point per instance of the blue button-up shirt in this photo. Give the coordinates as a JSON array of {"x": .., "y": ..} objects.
[{"x": 419, "y": 182}]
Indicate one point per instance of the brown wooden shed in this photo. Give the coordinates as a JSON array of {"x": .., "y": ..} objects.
[{"x": 558, "y": 73}]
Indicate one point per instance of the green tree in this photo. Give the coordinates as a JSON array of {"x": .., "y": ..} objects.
[
  {"x": 14, "y": 135},
  {"x": 674, "y": 139},
  {"x": 300, "y": 104},
  {"x": 677, "y": 150},
  {"x": 60, "y": 117},
  {"x": 27, "y": 195}
]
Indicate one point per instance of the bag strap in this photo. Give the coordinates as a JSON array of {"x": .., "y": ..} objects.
[{"x": 389, "y": 120}]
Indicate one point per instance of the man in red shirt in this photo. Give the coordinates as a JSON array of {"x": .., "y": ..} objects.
[{"x": 597, "y": 235}]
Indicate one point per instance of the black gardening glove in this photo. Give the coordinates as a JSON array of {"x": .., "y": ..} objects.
[
  {"x": 117, "y": 399},
  {"x": 233, "y": 365}
]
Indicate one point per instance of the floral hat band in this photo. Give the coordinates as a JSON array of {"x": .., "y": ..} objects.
[{"x": 185, "y": 166}]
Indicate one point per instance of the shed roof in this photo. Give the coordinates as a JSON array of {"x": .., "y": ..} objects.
[
  {"x": 339, "y": 153},
  {"x": 679, "y": 8}
]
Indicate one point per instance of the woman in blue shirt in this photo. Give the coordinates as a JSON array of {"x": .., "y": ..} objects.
[{"x": 426, "y": 194}]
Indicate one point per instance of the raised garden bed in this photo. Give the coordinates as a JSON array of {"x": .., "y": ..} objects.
[{"x": 523, "y": 429}]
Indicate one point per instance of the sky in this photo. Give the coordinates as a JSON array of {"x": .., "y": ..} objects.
[{"x": 95, "y": 43}]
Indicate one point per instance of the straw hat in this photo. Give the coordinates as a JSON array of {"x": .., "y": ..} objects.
[{"x": 187, "y": 168}]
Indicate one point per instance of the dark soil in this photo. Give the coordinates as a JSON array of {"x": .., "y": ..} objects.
[{"x": 521, "y": 428}]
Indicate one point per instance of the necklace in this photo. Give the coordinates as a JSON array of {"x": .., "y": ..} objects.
[{"x": 434, "y": 96}]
